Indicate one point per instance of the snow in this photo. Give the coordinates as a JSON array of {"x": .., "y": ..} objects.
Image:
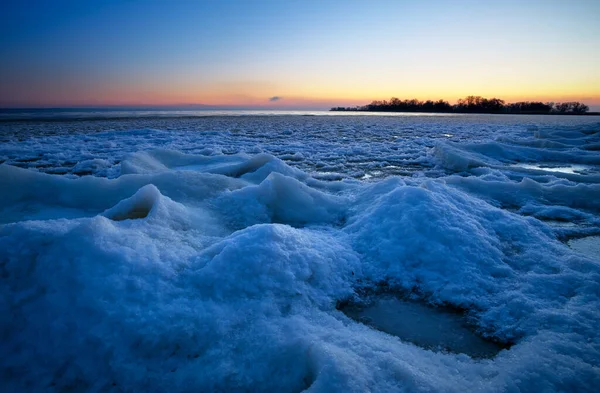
[{"x": 213, "y": 254}]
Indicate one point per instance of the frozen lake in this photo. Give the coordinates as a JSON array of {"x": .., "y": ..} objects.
[{"x": 208, "y": 251}]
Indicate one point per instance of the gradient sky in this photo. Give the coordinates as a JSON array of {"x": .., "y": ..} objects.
[{"x": 310, "y": 54}]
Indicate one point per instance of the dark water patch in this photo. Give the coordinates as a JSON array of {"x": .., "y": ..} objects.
[
  {"x": 136, "y": 212},
  {"x": 20, "y": 164},
  {"x": 440, "y": 329},
  {"x": 560, "y": 223},
  {"x": 28, "y": 159},
  {"x": 591, "y": 147},
  {"x": 83, "y": 173},
  {"x": 57, "y": 171},
  {"x": 139, "y": 209}
]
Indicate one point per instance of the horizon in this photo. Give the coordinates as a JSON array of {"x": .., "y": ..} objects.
[
  {"x": 283, "y": 55},
  {"x": 209, "y": 107}
]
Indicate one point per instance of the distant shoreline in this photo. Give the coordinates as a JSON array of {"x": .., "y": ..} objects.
[
  {"x": 470, "y": 113},
  {"x": 472, "y": 104}
]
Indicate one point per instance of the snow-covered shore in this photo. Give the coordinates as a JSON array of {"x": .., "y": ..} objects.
[{"x": 192, "y": 260}]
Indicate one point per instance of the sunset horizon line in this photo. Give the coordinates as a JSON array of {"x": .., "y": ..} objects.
[{"x": 283, "y": 103}]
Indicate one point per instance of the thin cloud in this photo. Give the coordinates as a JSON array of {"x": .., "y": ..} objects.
[{"x": 275, "y": 98}]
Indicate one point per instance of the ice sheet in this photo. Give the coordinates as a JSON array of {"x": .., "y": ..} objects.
[{"x": 210, "y": 255}]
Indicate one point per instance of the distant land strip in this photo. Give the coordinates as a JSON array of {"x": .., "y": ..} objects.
[{"x": 473, "y": 104}]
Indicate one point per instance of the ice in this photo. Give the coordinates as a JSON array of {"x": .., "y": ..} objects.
[
  {"x": 428, "y": 327},
  {"x": 573, "y": 169},
  {"x": 212, "y": 254},
  {"x": 589, "y": 246},
  {"x": 138, "y": 206}
]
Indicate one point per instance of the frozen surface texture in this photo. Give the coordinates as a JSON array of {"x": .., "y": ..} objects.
[{"x": 211, "y": 254}]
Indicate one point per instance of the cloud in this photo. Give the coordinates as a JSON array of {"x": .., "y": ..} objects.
[{"x": 275, "y": 99}]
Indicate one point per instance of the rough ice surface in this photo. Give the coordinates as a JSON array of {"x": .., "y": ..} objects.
[{"x": 211, "y": 254}]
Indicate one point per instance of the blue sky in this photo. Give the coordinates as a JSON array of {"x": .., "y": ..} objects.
[{"x": 309, "y": 53}]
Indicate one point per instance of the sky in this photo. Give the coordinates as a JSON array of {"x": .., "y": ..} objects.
[{"x": 296, "y": 54}]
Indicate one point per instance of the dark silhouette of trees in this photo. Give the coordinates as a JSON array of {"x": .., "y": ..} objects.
[
  {"x": 571, "y": 107},
  {"x": 526, "y": 107},
  {"x": 477, "y": 104},
  {"x": 470, "y": 104},
  {"x": 397, "y": 105}
]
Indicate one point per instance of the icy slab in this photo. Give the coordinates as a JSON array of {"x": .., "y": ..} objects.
[
  {"x": 136, "y": 207},
  {"x": 589, "y": 246},
  {"x": 561, "y": 168},
  {"x": 432, "y": 328},
  {"x": 560, "y": 224}
]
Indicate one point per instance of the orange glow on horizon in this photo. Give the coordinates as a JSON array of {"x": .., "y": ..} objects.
[
  {"x": 319, "y": 94},
  {"x": 284, "y": 102}
]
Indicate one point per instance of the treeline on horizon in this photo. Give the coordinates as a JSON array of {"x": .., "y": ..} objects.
[{"x": 470, "y": 104}]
